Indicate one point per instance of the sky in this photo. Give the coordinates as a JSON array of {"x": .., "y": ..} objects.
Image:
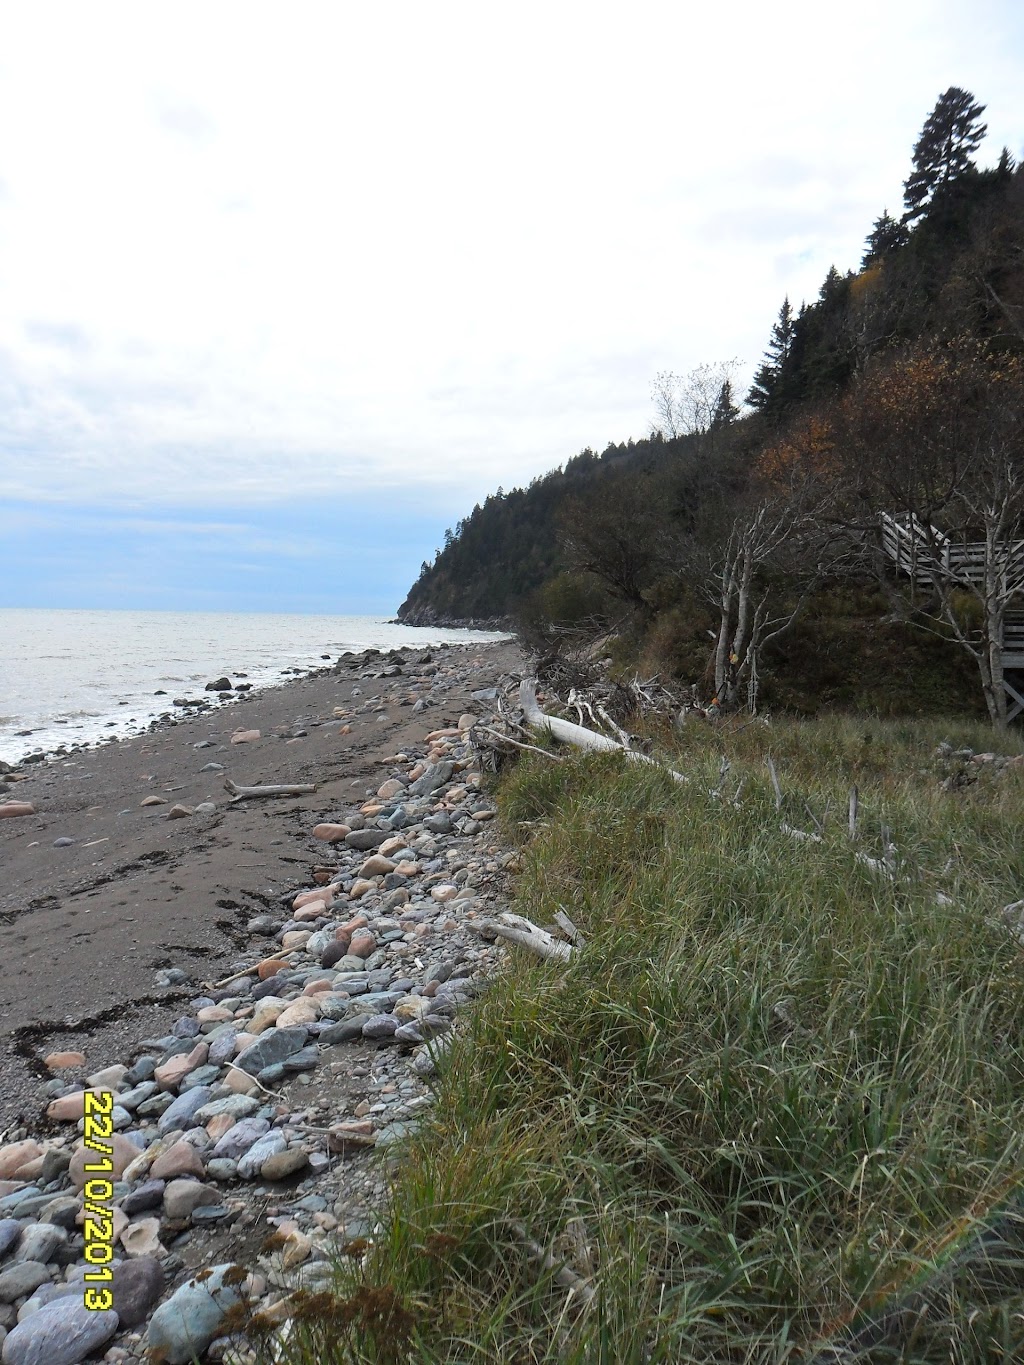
[{"x": 286, "y": 289}]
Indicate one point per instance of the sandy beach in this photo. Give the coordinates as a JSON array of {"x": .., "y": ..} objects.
[{"x": 88, "y": 925}]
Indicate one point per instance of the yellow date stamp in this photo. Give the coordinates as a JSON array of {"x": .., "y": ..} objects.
[{"x": 98, "y": 1194}]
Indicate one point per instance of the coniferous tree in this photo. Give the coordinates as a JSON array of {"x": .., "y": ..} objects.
[
  {"x": 766, "y": 380},
  {"x": 887, "y": 235},
  {"x": 726, "y": 411},
  {"x": 943, "y": 152}
]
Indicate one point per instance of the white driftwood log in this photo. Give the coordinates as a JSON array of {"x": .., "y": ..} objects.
[
  {"x": 516, "y": 929},
  {"x": 568, "y": 733},
  {"x": 279, "y": 789}
]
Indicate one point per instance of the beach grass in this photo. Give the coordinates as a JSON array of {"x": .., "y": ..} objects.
[{"x": 772, "y": 1109}]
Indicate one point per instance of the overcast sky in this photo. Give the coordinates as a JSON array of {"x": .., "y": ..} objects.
[{"x": 285, "y": 289}]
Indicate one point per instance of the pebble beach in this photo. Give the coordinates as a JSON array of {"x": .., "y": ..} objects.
[{"x": 258, "y": 988}]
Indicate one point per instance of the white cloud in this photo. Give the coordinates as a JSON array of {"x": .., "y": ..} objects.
[{"x": 255, "y": 251}]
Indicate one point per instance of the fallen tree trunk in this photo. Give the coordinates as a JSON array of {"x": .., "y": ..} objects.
[
  {"x": 568, "y": 733},
  {"x": 280, "y": 789}
]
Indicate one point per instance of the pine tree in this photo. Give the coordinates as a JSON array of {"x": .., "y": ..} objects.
[
  {"x": 887, "y": 235},
  {"x": 726, "y": 411},
  {"x": 950, "y": 137},
  {"x": 766, "y": 380}
]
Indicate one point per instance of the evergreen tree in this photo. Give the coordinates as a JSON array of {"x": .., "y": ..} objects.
[
  {"x": 950, "y": 137},
  {"x": 726, "y": 411},
  {"x": 887, "y": 235},
  {"x": 766, "y": 380}
]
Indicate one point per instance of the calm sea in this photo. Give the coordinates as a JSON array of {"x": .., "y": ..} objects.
[{"x": 74, "y": 677}]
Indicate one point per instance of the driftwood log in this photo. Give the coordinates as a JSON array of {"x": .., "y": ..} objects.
[
  {"x": 568, "y": 733},
  {"x": 278, "y": 789},
  {"x": 516, "y": 929}
]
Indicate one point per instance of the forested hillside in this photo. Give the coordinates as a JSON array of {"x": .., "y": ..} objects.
[{"x": 715, "y": 544}]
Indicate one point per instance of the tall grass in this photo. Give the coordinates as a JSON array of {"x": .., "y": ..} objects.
[{"x": 765, "y": 1114}]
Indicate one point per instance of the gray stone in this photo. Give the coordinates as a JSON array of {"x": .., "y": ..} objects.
[
  {"x": 19, "y": 1280},
  {"x": 39, "y": 1242},
  {"x": 55, "y": 1163},
  {"x": 363, "y": 840},
  {"x": 155, "y": 1105},
  {"x": 345, "y": 1031},
  {"x": 235, "y": 1106},
  {"x": 149, "y": 1195},
  {"x": 184, "y": 1326},
  {"x": 141, "y": 1071},
  {"x": 186, "y": 1027},
  {"x": 25, "y": 1203},
  {"x": 434, "y": 777},
  {"x": 237, "y": 1141},
  {"x": 222, "y": 1168},
  {"x": 381, "y": 1027},
  {"x": 131, "y": 1099},
  {"x": 62, "y": 1333},
  {"x": 62, "y": 1210},
  {"x": 249, "y": 1166},
  {"x": 439, "y": 823},
  {"x": 183, "y": 1196},
  {"x": 377, "y": 1002},
  {"x": 222, "y": 1046},
  {"x": 273, "y": 1046},
  {"x": 181, "y": 1113},
  {"x": 304, "y": 1060},
  {"x": 137, "y": 1286},
  {"x": 202, "y": 1077},
  {"x": 10, "y": 1231},
  {"x": 47, "y": 1293},
  {"x": 281, "y": 1165}
]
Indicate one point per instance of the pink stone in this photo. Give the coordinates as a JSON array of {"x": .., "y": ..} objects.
[
  {"x": 324, "y": 894},
  {"x": 300, "y": 1011},
  {"x": 219, "y": 1125},
  {"x": 214, "y": 1014},
  {"x": 70, "y": 1108},
  {"x": 363, "y": 944},
  {"x": 172, "y": 1073},
  {"x": 359, "y": 888},
  {"x": 311, "y": 911},
  {"x": 376, "y": 866},
  {"x": 13, "y": 1155},
  {"x": 245, "y": 736},
  {"x": 295, "y": 938},
  {"x": 316, "y": 987},
  {"x": 31, "y": 1170},
  {"x": 391, "y": 788},
  {"x": 60, "y": 1061},
  {"x": 181, "y": 1159},
  {"x": 10, "y": 810},
  {"x": 332, "y": 834},
  {"x": 240, "y": 1082},
  {"x": 122, "y": 1154}
]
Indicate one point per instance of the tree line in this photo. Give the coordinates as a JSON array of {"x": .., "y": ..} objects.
[{"x": 898, "y": 391}]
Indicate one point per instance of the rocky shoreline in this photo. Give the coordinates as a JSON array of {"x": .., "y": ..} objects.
[{"x": 262, "y": 1107}]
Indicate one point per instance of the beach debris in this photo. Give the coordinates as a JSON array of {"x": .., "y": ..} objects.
[{"x": 274, "y": 789}]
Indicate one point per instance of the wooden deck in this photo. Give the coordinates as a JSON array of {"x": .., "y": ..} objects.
[{"x": 918, "y": 549}]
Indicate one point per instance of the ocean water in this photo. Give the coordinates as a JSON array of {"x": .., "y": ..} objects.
[{"x": 77, "y": 677}]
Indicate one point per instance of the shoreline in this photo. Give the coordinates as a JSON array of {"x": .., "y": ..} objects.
[
  {"x": 102, "y": 892},
  {"x": 212, "y": 702}
]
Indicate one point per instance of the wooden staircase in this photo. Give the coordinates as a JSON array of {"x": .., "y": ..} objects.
[{"x": 918, "y": 549}]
